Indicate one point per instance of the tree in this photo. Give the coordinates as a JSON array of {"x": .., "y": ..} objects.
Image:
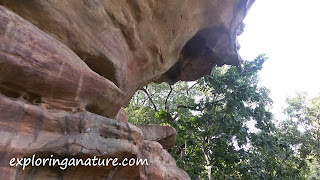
[
  {"x": 211, "y": 117},
  {"x": 302, "y": 131}
]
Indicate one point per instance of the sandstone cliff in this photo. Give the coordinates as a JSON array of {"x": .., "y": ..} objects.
[{"x": 68, "y": 67}]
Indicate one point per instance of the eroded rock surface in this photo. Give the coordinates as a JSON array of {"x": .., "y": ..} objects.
[
  {"x": 27, "y": 129},
  {"x": 67, "y": 69},
  {"x": 162, "y": 165}
]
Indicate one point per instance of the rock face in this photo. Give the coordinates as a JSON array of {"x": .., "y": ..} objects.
[
  {"x": 67, "y": 69},
  {"x": 28, "y": 129}
]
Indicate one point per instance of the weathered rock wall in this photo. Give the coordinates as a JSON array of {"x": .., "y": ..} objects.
[{"x": 68, "y": 67}]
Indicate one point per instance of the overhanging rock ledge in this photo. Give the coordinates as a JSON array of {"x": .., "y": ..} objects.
[{"x": 67, "y": 69}]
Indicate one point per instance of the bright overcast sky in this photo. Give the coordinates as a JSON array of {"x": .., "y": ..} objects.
[{"x": 288, "y": 31}]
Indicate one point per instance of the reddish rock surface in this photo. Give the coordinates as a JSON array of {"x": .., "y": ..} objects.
[
  {"x": 162, "y": 165},
  {"x": 28, "y": 129},
  {"x": 68, "y": 67},
  {"x": 122, "y": 115}
]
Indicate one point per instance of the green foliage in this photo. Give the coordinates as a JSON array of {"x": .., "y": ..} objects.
[
  {"x": 211, "y": 117},
  {"x": 302, "y": 131}
]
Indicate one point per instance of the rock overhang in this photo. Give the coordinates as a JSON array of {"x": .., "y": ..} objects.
[{"x": 61, "y": 59}]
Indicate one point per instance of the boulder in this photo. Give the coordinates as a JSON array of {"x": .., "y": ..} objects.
[{"x": 165, "y": 135}]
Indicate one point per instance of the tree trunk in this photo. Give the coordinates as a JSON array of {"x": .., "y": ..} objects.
[{"x": 209, "y": 169}]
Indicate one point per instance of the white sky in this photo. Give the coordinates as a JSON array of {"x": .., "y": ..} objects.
[{"x": 288, "y": 31}]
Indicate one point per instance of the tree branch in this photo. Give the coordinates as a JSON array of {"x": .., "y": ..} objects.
[
  {"x": 184, "y": 106},
  {"x": 190, "y": 107},
  {"x": 191, "y": 87},
  {"x": 151, "y": 100},
  {"x": 175, "y": 117},
  {"x": 165, "y": 104}
]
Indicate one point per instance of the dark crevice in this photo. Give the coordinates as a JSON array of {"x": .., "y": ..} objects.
[
  {"x": 102, "y": 66},
  {"x": 105, "y": 68},
  {"x": 194, "y": 48},
  {"x": 94, "y": 108},
  {"x": 14, "y": 91},
  {"x": 209, "y": 47},
  {"x": 9, "y": 92},
  {"x": 32, "y": 98}
]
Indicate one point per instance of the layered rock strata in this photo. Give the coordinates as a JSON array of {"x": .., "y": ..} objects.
[{"x": 67, "y": 69}]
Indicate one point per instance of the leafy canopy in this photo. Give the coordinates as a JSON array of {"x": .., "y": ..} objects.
[{"x": 211, "y": 117}]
